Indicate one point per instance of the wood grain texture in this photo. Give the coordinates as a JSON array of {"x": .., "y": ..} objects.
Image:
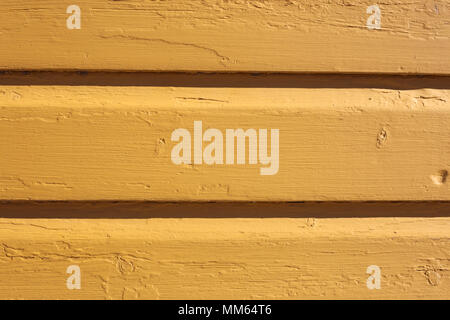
[
  {"x": 225, "y": 258},
  {"x": 114, "y": 143},
  {"x": 219, "y": 35}
]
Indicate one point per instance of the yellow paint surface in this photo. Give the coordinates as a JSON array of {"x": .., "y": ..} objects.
[
  {"x": 217, "y": 35},
  {"x": 114, "y": 143},
  {"x": 82, "y": 138},
  {"x": 271, "y": 258}
]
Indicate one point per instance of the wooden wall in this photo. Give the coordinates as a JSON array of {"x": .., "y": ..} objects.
[{"x": 88, "y": 110}]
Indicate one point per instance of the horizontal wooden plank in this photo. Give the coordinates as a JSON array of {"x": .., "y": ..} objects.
[
  {"x": 225, "y": 258},
  {"x": 216, "y": 35},
  {"x": 119, "y": 143}
]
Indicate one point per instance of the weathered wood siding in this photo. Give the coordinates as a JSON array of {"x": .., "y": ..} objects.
[{"x": 217, "y": 35}]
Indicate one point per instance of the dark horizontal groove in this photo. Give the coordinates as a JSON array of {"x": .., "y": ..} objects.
[
  {"x": 224, "y": 80},
  {"x": 141, "y": 210}
]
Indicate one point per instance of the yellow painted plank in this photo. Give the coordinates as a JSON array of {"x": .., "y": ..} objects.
[
  {"x": 117, "y": 143},
  {"x": 225, "y": 258},
  {"x": 217, "y": 35}
]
